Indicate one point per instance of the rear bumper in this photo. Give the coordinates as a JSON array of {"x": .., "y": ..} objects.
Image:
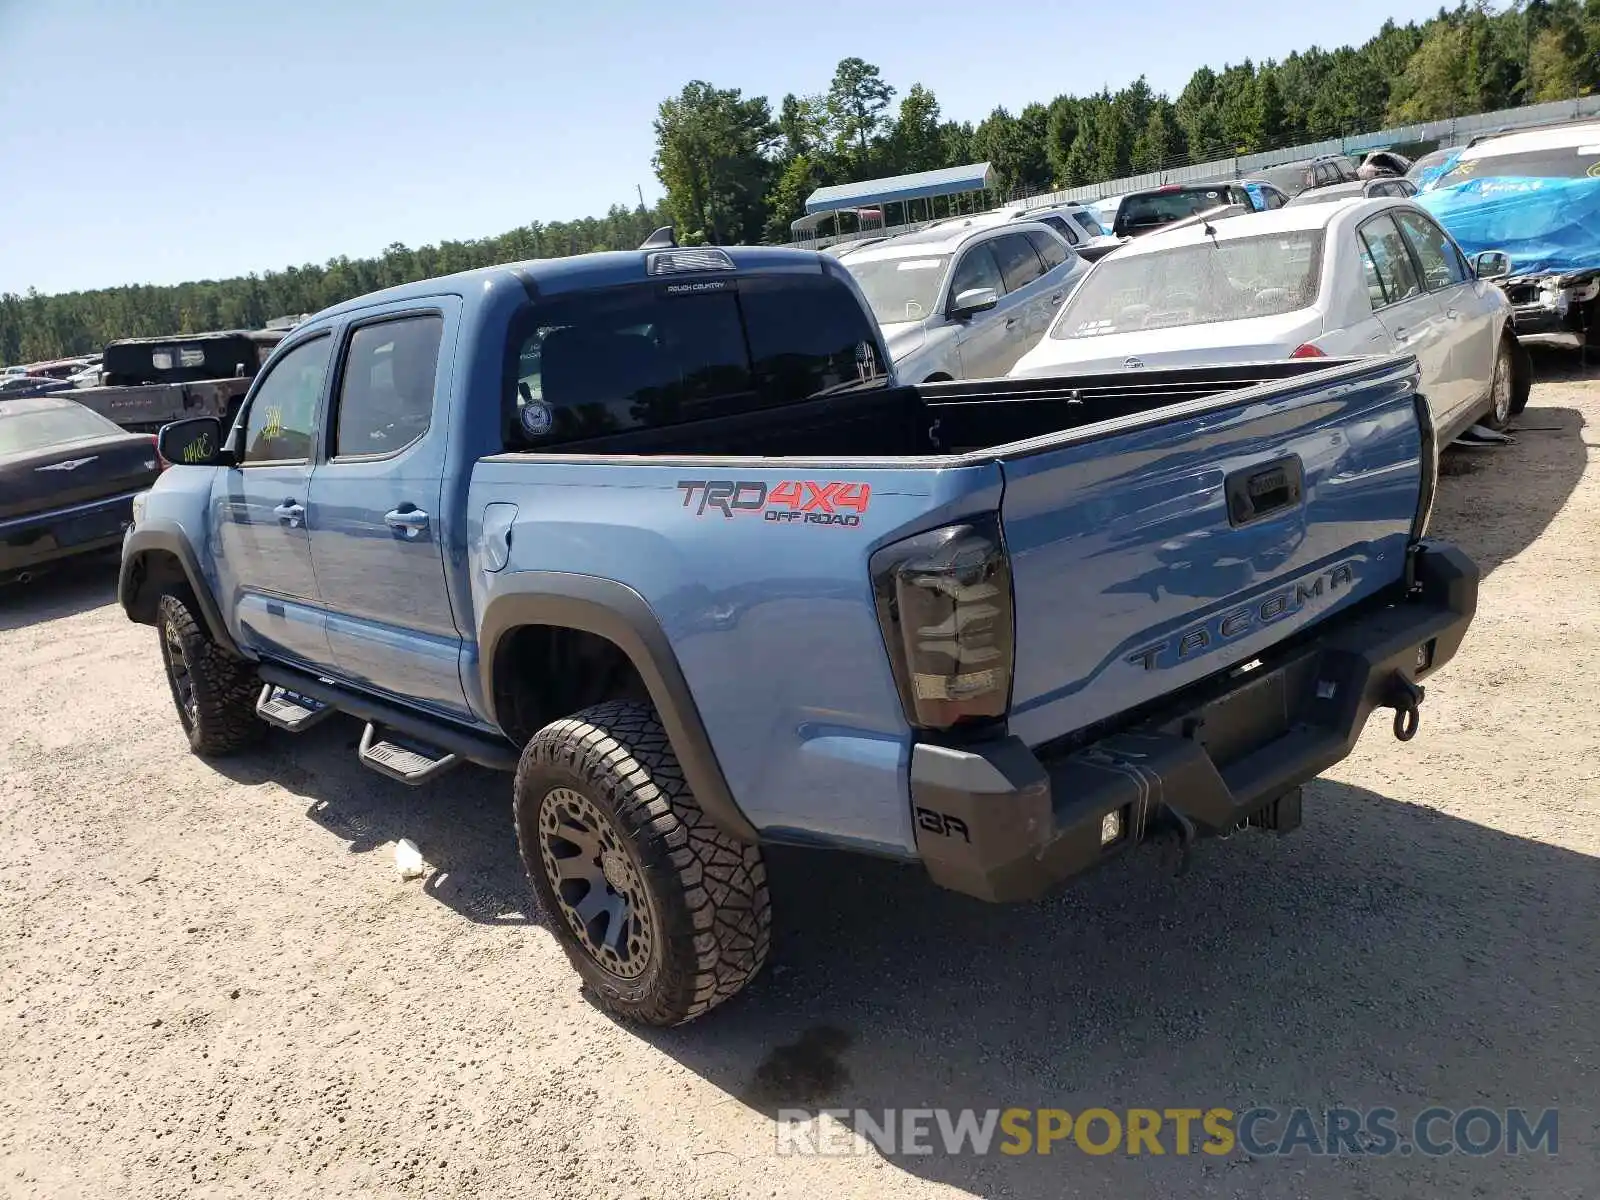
[
  {"x": 40, "y": 538},
  {"x": 1001, "y": 821}
]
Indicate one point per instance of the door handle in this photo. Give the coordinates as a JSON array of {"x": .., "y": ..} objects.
[
  {"x": 409, "y": 521},
  {"x": 1010, "y": 321},
  {"x": 290, "y": 512},
  {"x": 1056, "y": 299},
  {"x": 1451, "y": 313}
]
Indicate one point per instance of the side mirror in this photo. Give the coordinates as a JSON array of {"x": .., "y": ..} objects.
[
  {"x": 193, "y": 443},
  {"x": 973, "y": 300},
  {"x": 1492, "y": 264}
]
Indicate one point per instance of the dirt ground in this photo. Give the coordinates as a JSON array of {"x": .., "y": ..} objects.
[{"x": 212, "y": 983}]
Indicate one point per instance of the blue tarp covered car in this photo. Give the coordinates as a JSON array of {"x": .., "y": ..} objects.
[
  {"x": 1427, "y": 169},
  {"x": 1536, "y": 198}
]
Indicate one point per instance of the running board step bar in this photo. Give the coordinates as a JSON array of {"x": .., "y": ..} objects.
[
  {"x": 411, "y": 763},
  {"x": 401, "y": 723},
  {"x": 290, "y": 711}
]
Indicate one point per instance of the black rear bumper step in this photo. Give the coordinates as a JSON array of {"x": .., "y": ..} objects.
[
  {"x": 495, "y": 753},
  {"x": 998, "y": 822}
]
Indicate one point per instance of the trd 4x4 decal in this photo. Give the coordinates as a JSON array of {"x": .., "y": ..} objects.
[{"x": 794, "y": 501}]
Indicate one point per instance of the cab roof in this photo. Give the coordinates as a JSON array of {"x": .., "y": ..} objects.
[{"x": 579, "y": 272}]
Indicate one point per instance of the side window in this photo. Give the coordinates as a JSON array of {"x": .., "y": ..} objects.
[
  {"x": 977, "y": 269},
  {"x": 1369, "y": 273},
  {"x": 1441, "y": 265},
  {"x": 1052, "y": 251},
  {"x": 1275, "y": 198},
  {"x": 1062, "y": 226},
  {"x": 278, "y": 424},
  {"x": 386, "y": 392},
  {"x": 1019, "y": 265},
  {"x": 1390, "y": 257}
]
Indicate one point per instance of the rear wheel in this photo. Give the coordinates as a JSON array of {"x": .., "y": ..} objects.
[
  {"x": 1521, "y": 374},
  {"x": 215, "y": 693},
  {"x": 662, "y": 914}
]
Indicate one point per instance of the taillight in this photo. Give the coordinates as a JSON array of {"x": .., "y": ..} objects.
[
  {"x": 1307, "y": 350},
  {"x": 945, "y": 606}
]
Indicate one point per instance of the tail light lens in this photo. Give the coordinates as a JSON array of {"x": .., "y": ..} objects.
[
  {"x": 945, "y": 605},
  {"x": 1308, "y": 351}
]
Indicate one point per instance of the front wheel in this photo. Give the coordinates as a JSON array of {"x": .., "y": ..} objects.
[
  {"x": 662, "y": 914},
  {"x": 215, "y": 693}
]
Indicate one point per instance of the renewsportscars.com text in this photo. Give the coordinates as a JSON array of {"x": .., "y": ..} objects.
[{"x": 1259, "y": 1132}]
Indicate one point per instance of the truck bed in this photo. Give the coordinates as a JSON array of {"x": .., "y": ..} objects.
[
  {"x": 1161, "y": 528},
  {"x": 952, "y": 418}
]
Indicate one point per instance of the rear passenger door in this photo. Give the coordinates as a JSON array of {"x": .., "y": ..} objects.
[
  {"x": 1026, "y": 303},
  {"x": 379, "y": 520},
  {"x": 1062, "y": 269},
  {"x": 1410, "y": 315}
]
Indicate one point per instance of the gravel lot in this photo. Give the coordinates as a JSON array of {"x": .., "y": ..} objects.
[{"x": 213, "y": 984}]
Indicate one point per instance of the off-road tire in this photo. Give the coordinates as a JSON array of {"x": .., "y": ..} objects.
[
  {"x": 705, "y": 892},
  {"x": 222, "y": 718}
]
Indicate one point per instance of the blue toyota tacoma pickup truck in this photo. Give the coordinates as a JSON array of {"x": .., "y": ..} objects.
[{"x": 660, "y": 533}]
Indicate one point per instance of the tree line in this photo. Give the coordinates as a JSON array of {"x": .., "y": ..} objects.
[
  {"x": 35, "y": 327},
  {"x": 738, "y": 168}
]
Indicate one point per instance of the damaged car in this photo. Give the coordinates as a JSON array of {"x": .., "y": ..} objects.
[{"x": 1526, "y": 207}]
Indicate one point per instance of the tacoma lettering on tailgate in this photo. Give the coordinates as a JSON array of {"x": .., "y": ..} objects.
[{"x": 1237, "y": 622}]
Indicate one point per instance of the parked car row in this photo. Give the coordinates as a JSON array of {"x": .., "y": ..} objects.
[{"x": 1207, "y": 275}]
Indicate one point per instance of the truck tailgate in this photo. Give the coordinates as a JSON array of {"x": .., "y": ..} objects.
[{"x": 1151, "y": 552}]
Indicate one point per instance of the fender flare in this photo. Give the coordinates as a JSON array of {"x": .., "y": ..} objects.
[
  {"x": 619, "y": 614},
  {"x": 167, "y": 537}
]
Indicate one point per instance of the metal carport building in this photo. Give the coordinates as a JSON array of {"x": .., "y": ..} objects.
[{"x": 872, "y": 197}]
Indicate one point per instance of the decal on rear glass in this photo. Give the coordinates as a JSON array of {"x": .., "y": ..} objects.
[
  {"x": 536, "y": 418},
  {"x": 791, "y": 502}
]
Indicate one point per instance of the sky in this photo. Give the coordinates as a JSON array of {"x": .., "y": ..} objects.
[{"x": 167, "y": 140}]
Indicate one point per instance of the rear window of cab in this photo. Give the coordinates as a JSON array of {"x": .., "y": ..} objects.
[{"x": 647, "y": 355}]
